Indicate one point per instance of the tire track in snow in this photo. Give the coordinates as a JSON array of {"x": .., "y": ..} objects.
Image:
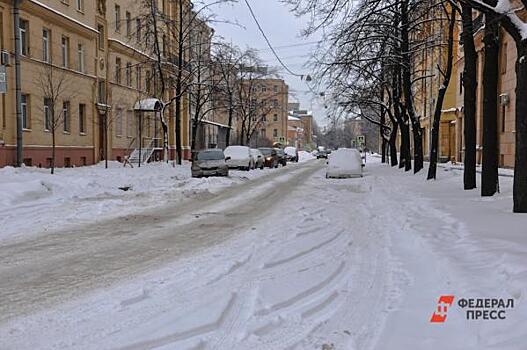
[{"x": 304, "y": 252}]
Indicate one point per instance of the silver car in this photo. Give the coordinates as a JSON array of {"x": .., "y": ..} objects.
[{"x": 209, "y": 162}]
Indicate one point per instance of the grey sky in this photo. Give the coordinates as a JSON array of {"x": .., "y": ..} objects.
[{"x": 283, "y": 29}]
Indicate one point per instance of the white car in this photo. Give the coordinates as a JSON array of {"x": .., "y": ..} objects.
[
  {"x": 258, "y": 158},
  {"x": 239, "y": 157},
  {"x": 343, "y": 163},
  {"x": 291, "y": 154}
]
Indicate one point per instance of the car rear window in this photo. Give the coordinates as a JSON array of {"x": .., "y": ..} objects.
[{"x": 210, "y": 155}]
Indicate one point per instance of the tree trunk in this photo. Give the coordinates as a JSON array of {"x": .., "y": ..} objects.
[
  {"x": 53, "y": 143},
  {"x": 520, "y": 166},
  {"x": 231, "y": 114},
  {"x": 434, "y": 147},
  {"x": 393, "y": 143},
  {"x": 407, "y": 92},
  {"x": 469, "y": 98},
  {"x": 489, "y": 173},
  {"x": 179, "y": 88}
]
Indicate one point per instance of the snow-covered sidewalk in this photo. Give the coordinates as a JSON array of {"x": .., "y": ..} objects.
[{"x": 34, "y": 201}]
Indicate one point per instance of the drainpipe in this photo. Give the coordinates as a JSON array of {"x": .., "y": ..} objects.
[{"x": 18, "y": 93}]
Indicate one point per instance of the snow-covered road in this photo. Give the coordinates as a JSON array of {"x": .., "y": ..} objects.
[{"x": 289, "y": 260}]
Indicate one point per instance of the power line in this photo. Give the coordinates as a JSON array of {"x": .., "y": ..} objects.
[
  {"x": 269, "y": 43},
  {"x": 292, "y": 45}
]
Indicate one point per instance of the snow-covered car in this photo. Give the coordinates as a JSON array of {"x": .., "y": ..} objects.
[
  {"x": 291, "y": 154},
  {"x": 209, "y": 162},
  {"x": 258, "y": 158},
  {"x": 239, "y": 157},
  {"x": 343, "y": 163},
  {"x": 271, "y": 157}
]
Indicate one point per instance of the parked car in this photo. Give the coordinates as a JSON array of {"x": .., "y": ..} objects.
[
  {"x": 281, "y": 156},
  {"x": 343, "y": 163},
  {"x": 291, "y": 154},
  {"x": 239, "y": 157},
  {"x": 258, "y": 158},
  {"x": 322, "y": 154},
  {"x": 271, "y": 157},
  {"x": 209, "y": 162}
]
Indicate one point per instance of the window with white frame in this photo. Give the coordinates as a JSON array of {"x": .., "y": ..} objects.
[
  {"x": 119, "y": 122},
  {"x": 47, "y": 114},
  {"x": 65, "y": 48},
  {"x": 80, "y": 5},
  {"x": 66, "y": 116},
  {"x": 46, "y": 39},
  {"x": 81, "y": 58},
  {"x": 23, "y": 28},
  {"x": 24, "y": 99}
]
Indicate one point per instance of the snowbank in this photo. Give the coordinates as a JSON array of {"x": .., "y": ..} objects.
[
  {"x": 304, "y": 156},
  {"x": 34, "y": 200}
]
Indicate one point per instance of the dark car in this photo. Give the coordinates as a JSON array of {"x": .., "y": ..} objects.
[
  {"x": 322, "y": 154},
  {"x": 282, "y": 159},
  {"x": 270, "y": 157},
  {"x": 209, "y": 162}
]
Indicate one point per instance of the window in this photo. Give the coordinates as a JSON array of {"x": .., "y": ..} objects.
[
  {"x": 118, "y": 70},
  {"x": 82, "y": 118},
  {"x": 46, "y": 36},
  {"x": 65, "y": 48},
  {"x": 275, "y": 88},
  {"x": 119, "y": 122},
  {"x": 67, "y": 162},
  {"x": 275, "y": 103},
  {"x": 66, "y": 116},
  {"x": 262, "y": 133},
  {"x": 80, "y": 5},
  {"x": 264, "y": 88},
  {"x": 504, "y": 59},
  {"x": 47, "y": 114},
  {"x": 148, "y": 81},
  {"x": 83, "y": 161},
  {"x": 130, "y": 123},
  {"x": 117, "y": 18},
  {"x": 275, "y": 117},
  {"x": 100, "y": 29},
  {"x": 102, "y": 92},
  {"x": 25, "y": 112},
  {"x": 80, "y": 58},
  {"x": 24, "y": 37},
  {"x": 128, "y": 24},
  {"x": 138, "y": 77},
  {"x": 128, "y": 74},
  {"x": 275, "y": 132},
  {"x": 138, "y": 29}
]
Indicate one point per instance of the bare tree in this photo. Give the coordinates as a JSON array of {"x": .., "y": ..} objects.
[{"x": 55, "y": 90}]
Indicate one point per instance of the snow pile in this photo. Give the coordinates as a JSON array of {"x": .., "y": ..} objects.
[
  {"x": 34, "y": 200},
  {"x": 304, "y": 156}
]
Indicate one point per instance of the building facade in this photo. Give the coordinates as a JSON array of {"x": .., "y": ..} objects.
[{"x": 94, "y": 54}]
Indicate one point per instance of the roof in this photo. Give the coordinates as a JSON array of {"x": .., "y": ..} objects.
[
  {"x": 293, "y": 118},
  {"x": 148, "y": 105}
]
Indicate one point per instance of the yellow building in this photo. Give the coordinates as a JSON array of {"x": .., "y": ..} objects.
[
  {"x": 428, "y": 86},
  {"x": 96, "y": 50}
]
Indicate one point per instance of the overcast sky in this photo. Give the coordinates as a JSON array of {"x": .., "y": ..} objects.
[{"x": 284, "y": 31}]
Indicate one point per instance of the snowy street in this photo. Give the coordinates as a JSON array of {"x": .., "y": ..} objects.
[{"x": 284, "y": 260}]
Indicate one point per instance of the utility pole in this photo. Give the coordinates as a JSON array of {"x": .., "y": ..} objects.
[{"x": 18, "y": 93}]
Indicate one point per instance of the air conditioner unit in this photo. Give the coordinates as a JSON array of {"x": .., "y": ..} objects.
[
  {"x": 4, "y": 58},
  {"x": 504, "y": 99}
]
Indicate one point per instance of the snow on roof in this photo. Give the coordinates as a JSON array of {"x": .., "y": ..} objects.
[
  {"x": 293, "y": 118},
  {"x": 148, "y": 105},
  {"x": 36, "y": 2}
]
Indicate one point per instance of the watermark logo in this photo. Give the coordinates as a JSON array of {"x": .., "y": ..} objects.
[
  {"x": 475, "y": 308},
  {"x": 443, "y": 304}
]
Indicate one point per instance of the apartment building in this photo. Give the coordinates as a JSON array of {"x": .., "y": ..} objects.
[{"x": 109, "y": 99}]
